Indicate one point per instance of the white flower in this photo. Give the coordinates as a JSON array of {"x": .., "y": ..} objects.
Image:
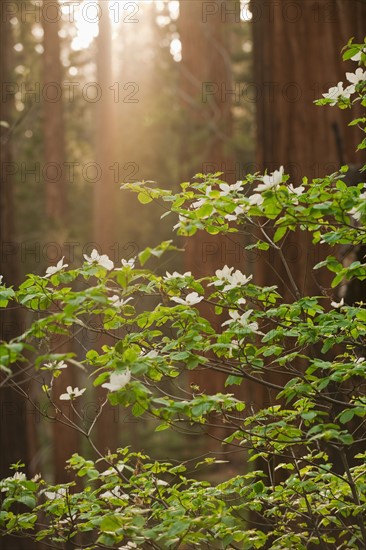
[
  {"x": 55, "y": 268},
  {"x": 337, "y": 91},
  {"x": 128, "y": 546},
  {"x": 112, "y": 471},
  {"x": 359, "y": 360},
  {"x": 357, "y": 56},
  {"x": 117, "y": 381},
  {"x": 52, "y": 495},
  {"x": 242, "y": 319},
  {"x": 161, "y": 482},
  {"x": 19, "y": 476},
  {"x": 181, "y": 220},
  {"x": 296, "y": 190},
  {"x": 1, "y": 279},
  {"x": 100, "y": 259},
  {"x": 355, "y": 78},
  {"x": 270, "y": 182},
  {"x": 337, "y": 304},
  {"x": 239, "y": 210},
  {"x": 56, "y": 365},
  {"x": 222, "y": 275},
  {"x": 355, "y": 212},
  {"x": 72, "y": 393},
  {"x": 197, "y": 204},
  {"x": 190, "y": 300},
  {"x": 129, "y": 263},
  {"x": 237, "y": 279},
  {"x": 115, "y": 493},
  {"x": 203, "y": 200},
  {"x": 176, "y": 275},
  {"x": 256, "y": 199},
  {"x": 226, "y": 189},
  {"x": 116, "y": 301}
]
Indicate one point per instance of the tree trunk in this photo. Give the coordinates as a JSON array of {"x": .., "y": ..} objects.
[
  {"x": 13, "y": 434},
  {"x": 297, "y": 47},
  {"x": 207, "y": 89},
  {"x": 105, "y": 195},
  {"x": 53, "y": 127},
  {"x": 65, "y": 439},
  {"x": 297, "y": 58}
]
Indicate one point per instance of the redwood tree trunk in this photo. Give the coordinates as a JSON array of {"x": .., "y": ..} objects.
[
  {"x": 13, "y": 432},
  {"x": 65, "y": 439},
  {"x": 53, "y": 114},
  {"x": 297, "y": 49},
  {"x": 105, "y": 194}
]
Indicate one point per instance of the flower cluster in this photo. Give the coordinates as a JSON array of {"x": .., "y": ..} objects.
[{"x": 338, "y": 91}]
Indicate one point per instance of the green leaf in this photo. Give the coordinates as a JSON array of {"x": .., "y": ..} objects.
[
  {"x": 346, "y": 416},
  {"x": 280, "y": 232},
  {"x": 144, "y": 198},
  {"x": 162, "y": 427}
]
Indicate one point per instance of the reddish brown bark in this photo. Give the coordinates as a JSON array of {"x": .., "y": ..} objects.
[
  {"x": 105, "y": 195},
  {"x": 65, "y": 439},
  {"x": 53, "y": 115},
  {"x": 297, "y": 49},
  {"x": 13, "y": 432},
  {"x": 207, "y": 86}
]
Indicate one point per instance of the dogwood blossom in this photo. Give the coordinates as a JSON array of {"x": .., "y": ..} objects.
[
  {"x": 355, "y": 212},
  {"x": 296, "y": 190},
  {"x": 100, "y": 259},
  {"x": 18, "y": 476},
  {"x": 337, "y": 304},
  {"x": 270, "y": 181},
  {"x": 116, "y": 301},
  {"x": 256, "y": 199},
  {"x": 111, "y": 471},
  {"x": 190, "y": 300},
  {"x": 72, "y": 393},
  {"x": 115, "y": 493},
  {"x": 336, "y": 92},
  {"x": 239, "y": 210},
  {"x": 237, "y": 279},
  {"x": 176, "y": 275},
  {"x": 129, "y": 263},
  {"x": 223, "y": 274},
  {"x": 226, "y": 189},
  {"x": 117, "y": 381},
  {"x": 130, "y": 545},
  {"x": 55, "y": 268},
  {"x": 56, "y": 365},
  {"x": 52, "y": 495},
  {"x": 200, "y": 202},
  {"x": 242, "y": 319},
  {"x": 181, "y": 220},
  {"x": 355, "y": 78},
  {"x": 357, "y": 56}
]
